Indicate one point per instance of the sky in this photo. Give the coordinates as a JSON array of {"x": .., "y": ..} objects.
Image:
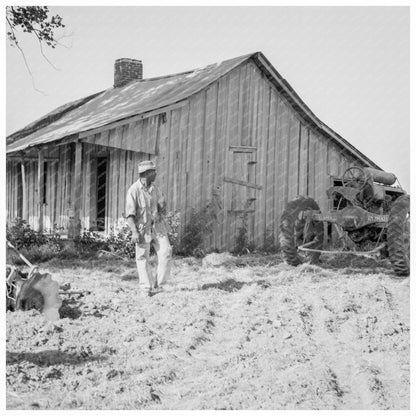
[{"x": 350, "y": 65}]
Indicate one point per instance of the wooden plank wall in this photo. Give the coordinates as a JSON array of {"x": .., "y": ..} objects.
[
  {"x": 13, "y": 190},
  {"x": 122, "y": 172}
]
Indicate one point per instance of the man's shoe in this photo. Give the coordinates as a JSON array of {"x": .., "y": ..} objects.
[
  {"x": 145, "y": 293},
  {"x": 156, "y": 291}
]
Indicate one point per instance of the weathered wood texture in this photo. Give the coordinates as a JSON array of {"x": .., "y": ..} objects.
[{"x": 237, "y": 146}]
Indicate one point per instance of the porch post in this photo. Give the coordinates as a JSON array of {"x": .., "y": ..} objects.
[
  {"x": 24, "y": 190},
  {"x": 77, "y": 189},
  {"x": 41, "y": 188}
]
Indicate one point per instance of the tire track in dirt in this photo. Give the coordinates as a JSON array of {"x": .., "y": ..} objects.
[
  {"x": 217, "y": 345},
  {"x": 291, "y": 337},
  {"x": 346, "y": 344}
]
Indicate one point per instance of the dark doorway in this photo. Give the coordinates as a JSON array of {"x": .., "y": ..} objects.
[{"x": 101, "y": 192}]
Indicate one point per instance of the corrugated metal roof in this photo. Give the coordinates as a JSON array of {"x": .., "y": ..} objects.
[
  {"x": 49, "y": 118},
  {"x": 118, "y": 103}
]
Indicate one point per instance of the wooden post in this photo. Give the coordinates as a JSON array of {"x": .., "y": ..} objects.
[
  {"x": 41, "y": 188},
  {"x": 24, "y": 190},
  {"x": 92, "y": 184},
  {"x": 77, "y": 183}
]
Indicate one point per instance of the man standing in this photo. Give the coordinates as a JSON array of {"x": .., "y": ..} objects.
[{"x": 145, "y": 208}]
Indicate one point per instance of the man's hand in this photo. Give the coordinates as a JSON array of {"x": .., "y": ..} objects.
[
  {"x": 135, "y": 237},
  {"x": 135, "y": 234}
]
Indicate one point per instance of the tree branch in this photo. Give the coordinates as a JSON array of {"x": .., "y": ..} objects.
[
  {"x": 63, "y": 37},
  {"x": 43, "y": 54},
  {"x": 24, "y": 59}
]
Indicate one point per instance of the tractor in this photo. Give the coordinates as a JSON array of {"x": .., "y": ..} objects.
[{"x": 370, "y": 216}]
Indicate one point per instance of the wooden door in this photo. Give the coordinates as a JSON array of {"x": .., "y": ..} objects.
[{"x": 242, "y": 193}]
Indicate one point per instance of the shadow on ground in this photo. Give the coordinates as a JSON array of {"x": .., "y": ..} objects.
[
  {"x": 232, "y": 285},
  {"x": 350, "y": 264},
  {"x": 129, "y": 276},
  {"x": 67, "y": 311},
  {"x": 50, "y": 357}
]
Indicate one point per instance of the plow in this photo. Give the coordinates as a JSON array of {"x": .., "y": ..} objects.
[{"x": 32, "y": 289}]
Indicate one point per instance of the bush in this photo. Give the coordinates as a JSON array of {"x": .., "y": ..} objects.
[
  {"x": 33, "y": 245},
  {"x": 199, "y": 225},
  {"x": 173, "y": 221},
  {"x": 119, "y": 242},
  {"x": 242, "y": 243},
  {"x": 89, "y": 241},
  {"x": 38, "y": 247},
  {"x": 41, "y": 253},
  {"x": 22, "y": 236}
]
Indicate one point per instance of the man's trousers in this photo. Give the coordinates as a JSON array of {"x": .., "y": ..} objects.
[{"x": 164, "y": 254}]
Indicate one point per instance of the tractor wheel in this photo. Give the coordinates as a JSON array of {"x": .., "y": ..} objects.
[
  {"x": 293, "y": 232},
  {"x": 398, "y": 235}
]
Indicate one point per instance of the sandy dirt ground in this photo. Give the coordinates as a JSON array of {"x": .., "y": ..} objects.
[{"x": 253, "y": 333}]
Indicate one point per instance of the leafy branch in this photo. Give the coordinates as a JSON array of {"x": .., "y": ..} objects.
[{"x": 33, "y": 20}]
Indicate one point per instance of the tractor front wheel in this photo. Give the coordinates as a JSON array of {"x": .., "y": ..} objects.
[
  {"x": 398, "y": 235},
  {"x": 295, "y": 231}
]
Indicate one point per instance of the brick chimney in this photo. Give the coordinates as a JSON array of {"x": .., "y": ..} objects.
[{"x": 126, "y": 70}]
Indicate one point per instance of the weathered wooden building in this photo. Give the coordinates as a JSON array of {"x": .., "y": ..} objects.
[{"x": 235, "y": 133}]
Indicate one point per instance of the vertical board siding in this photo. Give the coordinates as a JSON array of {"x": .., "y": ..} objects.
[
  {"x": 13, "y": 190},
  {"x": 262, "y": 140},
  {"x": 121, "y": 164},
  {"x": 210, "y": 126},
  {"x": 197, "y": 156},
  {"x": 182, "y": 168},
  {"x": 86, "y": 174},
  {"x": 246, "y": 97},
  {"x": 231, "y": 138},
  {"x": 303, "y": 162},
  {"x": 277, "y": 179},
  {"x": 312, "y": 163},
  {"x": 192, "y": 168},
  {"x": 255, "y": 140},
  {"x": 269, "y": 190},
  {"x": 92, "y": 188},
  {"x": 9, "y": 193},
  {"x": 221, "y": 131},
  {"x": 173, "y": 155},
  {"x": 282, "y": 135},
  {"x": 293, "y": 152},
  {"x": 121, "y": 184},
  {"x": 321, "y": 177},
  {"x": 33, "y": 194},
  {"x": 161, "y": 157},
  {"x": 68, "y": 157},
  {"x": 333, "y": 161}
]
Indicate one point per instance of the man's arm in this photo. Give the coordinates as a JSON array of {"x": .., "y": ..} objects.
[
  {"x": 161, "y": 203},
  {"x": 135, "y": 237},
  {"x": 131, "y": 204}
]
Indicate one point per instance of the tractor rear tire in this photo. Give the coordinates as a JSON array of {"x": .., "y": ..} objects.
[
  {"x": 292, "y": 230},
  {"x": 398, "y": 235}
]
